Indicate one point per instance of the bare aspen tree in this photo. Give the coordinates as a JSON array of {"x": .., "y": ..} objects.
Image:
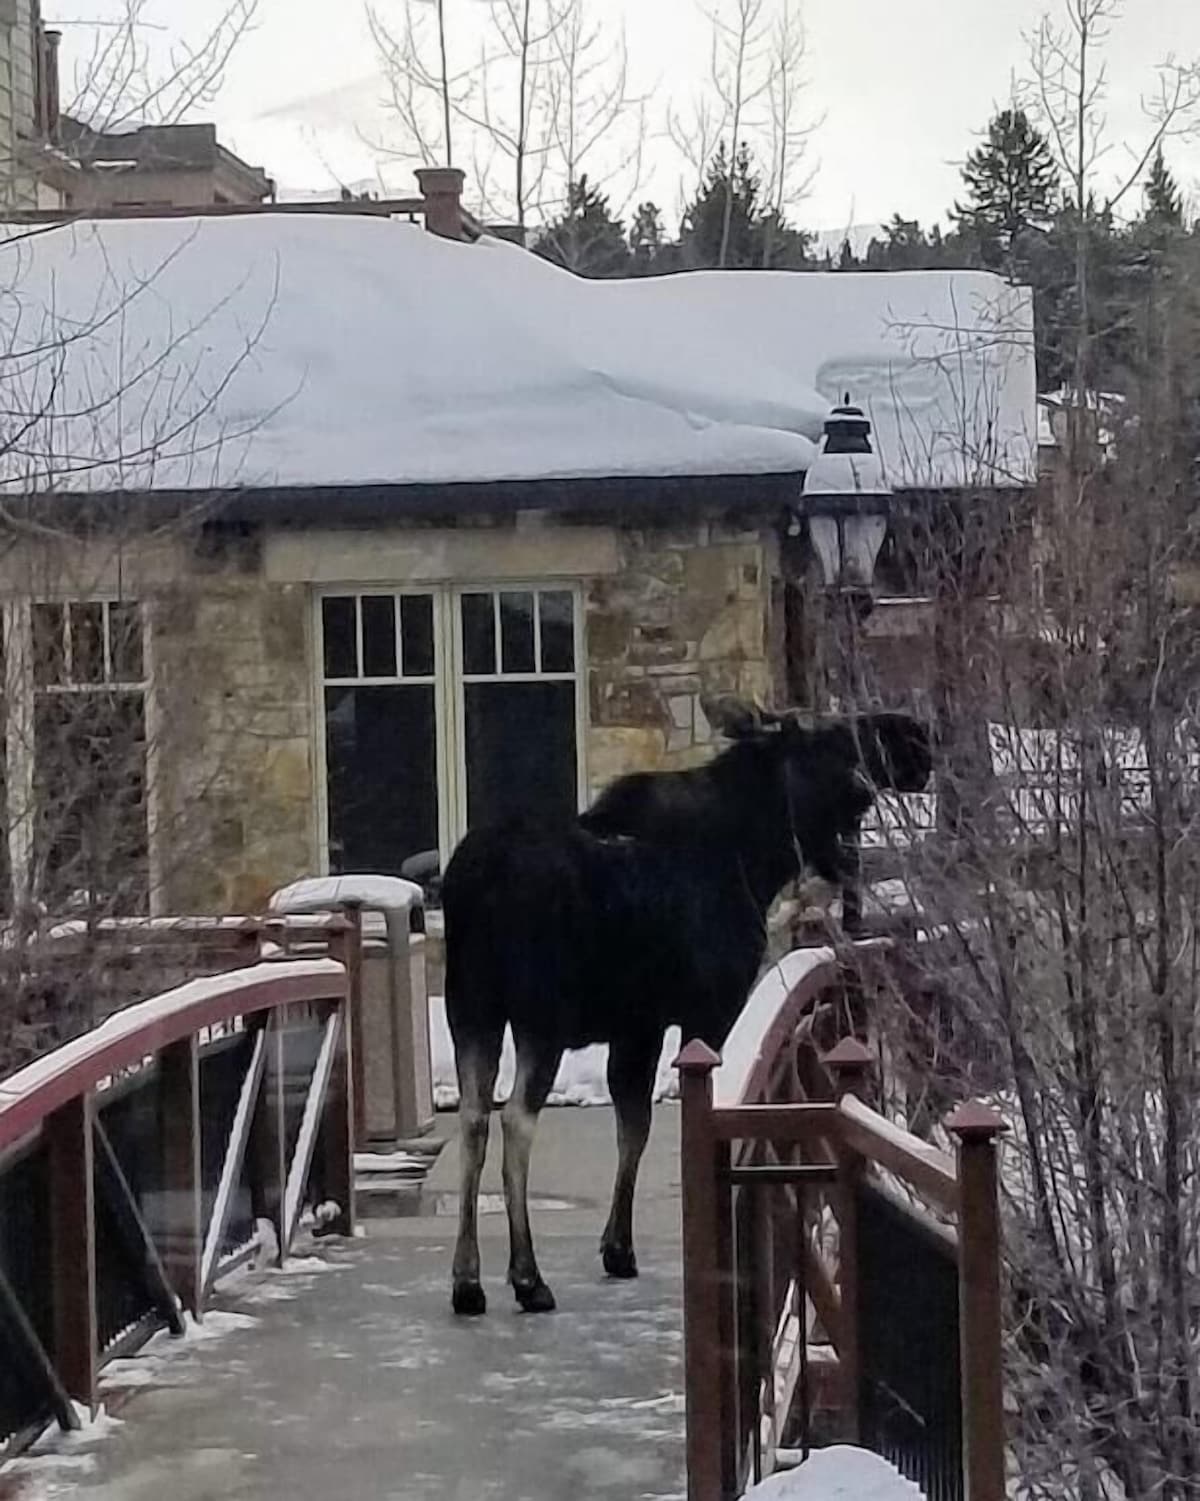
[
  {"x": 414, "y": 49},
  {"x": 125, "y": 76},
  {"x": 753, "y": 97},
  {"x": 790, "y": 126},
  {"x": 522, "y": 93},
  {"x": 111, "y": 761},
  {"x": 1060, "y": 887},
  {"x": 497, "y": 97}
]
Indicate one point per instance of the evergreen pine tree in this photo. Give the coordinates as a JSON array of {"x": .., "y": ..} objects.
[
  {"x": 903, "y": 248},
  {"x": 847, "y": 260},
  {"x": 648, "y": 248},
  {"x": 758, "y": 237},
  {"x": 587, "y": 239},
  {"x": 1012, "y": 188},
  {"x": 703, "y": 220},
  {"x": 1164, "y": 202}
]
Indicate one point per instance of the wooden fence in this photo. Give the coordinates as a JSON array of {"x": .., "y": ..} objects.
[
  {"x": 841, "y": 1276},
  {"x": 138, "y": 1161}
]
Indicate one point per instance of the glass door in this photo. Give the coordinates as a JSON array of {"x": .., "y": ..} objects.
[
  {"x": 518, "y": 703},
  {"x": 444, "y": 710},
  {"x": 380, "y": 680}
]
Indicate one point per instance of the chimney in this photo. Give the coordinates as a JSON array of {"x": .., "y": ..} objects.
[{"x": 442, "y": 188}]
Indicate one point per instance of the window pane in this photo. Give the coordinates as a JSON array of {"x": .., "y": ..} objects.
[
  {"x": 516, "y": 633},
  {"x": 479, "y": 633},
  {"x": 416, "y": 635},
  {"x": 125, "y": 643},
  {"x": 87, "y": 643},
  {"x": 90, "y": 783},
  {"x": 339, "y": 629},
  {"x": 48, "y": 650},
  {"x": 520, "y": 750},
  {"x": 379, "y": 635},
  {"x": 382, "y": 757},
  {"x": 558, "y": 631}
]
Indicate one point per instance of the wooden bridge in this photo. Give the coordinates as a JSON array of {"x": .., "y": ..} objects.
[{"x": 840, "y": 1278}]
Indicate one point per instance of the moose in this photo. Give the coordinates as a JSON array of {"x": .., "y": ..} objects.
[{"x": 649, "y": 910}]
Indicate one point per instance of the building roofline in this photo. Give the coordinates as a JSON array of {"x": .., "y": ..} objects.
[{"x": 373, "y": 505}]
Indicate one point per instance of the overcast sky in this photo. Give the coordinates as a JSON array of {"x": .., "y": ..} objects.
[{"x": 903, "y": 86}]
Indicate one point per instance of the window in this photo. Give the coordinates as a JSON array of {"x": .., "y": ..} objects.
[
  {"x": 380, "y": 729},
  {"x": 519, "y": 703},
  {"x": 445, "y": 709},
  {"x": 76, "y": 816}
]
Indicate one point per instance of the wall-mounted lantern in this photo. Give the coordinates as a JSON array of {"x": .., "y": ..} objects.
[{"x": 846, "y": 502}]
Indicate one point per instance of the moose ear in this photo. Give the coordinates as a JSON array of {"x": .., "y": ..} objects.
[
  {"x": 895, "y": 750},
  {"x": 736, "y": 719}
]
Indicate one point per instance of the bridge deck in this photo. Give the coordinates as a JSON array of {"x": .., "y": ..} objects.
[{"x": 354, "y": 1379}]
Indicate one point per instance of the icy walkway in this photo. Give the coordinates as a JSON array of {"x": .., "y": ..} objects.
[{"x": 349, "y": 1378}]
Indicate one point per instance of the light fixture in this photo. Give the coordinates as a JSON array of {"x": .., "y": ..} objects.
[{"x": 846, "y": 502}]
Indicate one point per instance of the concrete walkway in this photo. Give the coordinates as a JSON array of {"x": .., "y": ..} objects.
[{"x": 347, "y": 1377}]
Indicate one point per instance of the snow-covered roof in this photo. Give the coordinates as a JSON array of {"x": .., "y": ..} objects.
[{"x": 279, "y": 351}]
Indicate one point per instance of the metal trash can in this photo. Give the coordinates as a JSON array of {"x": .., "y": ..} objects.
[{"x": 396, "y": 1066}]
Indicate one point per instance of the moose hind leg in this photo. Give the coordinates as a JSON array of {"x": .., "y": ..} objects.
[
  {"x": 478, "y": 1062},
  {"x": 537, "y": 1065},
  {"x": 631, "y": 1069}
]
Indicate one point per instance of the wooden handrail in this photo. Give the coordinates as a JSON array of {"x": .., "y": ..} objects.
[
  {"x": 874, "y": 1137},
  {"x": 741, "y": 1275},
  {"x": 167, "y": 1256},
  {"x": 28, "y": 1097},
  {"x": 775, "y": 1123}
]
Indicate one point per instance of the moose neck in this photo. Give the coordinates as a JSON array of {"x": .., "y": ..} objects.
[{"x": 758, "y": 828}]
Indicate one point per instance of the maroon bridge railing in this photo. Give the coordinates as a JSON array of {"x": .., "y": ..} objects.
[
  {"x": 144, "y": 1160},
  {"x": 841, "y": 1276}
]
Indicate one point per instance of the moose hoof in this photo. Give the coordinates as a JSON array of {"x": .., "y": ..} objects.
[
  {"x": 469, "y": 1299},
  {"x": 534, "y": 1297},
  {"x": 619, "y": 1263}
]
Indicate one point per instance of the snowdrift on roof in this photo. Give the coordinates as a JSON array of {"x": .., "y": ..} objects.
[{"x": 295, "y": 351}]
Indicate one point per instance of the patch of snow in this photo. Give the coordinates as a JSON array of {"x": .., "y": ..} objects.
[
  {"x": 306, "y": 1266},
  {"x": 582, "y": 1078},
  {"x": 837, "y": 1474},
  {"x": 390, "y": 1162},
  {"x": 57, "y": 1460},
  {"x": 324, "y": 893},
  {"x": 744, "y": 1044},
  {"x": 271, "y": 351},
  {"x": 91, "y": 1430}
]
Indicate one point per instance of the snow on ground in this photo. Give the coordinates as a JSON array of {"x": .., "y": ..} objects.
[
  {"x": 309, "y": 350},
  {"x": 837, "y": 1474},
  {"x": 581, "y": 1079}
]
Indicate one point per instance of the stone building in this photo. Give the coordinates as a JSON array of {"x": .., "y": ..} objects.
[
  {"x": 28, "y": 107},
  {"x": 372, "y": 533},
  {"x": 154, "y": 167}
]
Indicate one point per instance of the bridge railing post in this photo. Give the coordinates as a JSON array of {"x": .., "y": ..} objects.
[
  {"x": 849, "y": 1065},
  {"x": 342, "y": 1123},
  {"x": 73, "y": 1247},
  {"x": 268, "y": 1134},
  {"x": 347, "y": 946},
  {"x": 704, "y": 1364},
  {"x": 978, "y": 1129},
  {"x": 182, "y": 1229}
]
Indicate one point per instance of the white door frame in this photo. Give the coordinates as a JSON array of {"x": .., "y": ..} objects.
[{"x": 449, "y": 698}]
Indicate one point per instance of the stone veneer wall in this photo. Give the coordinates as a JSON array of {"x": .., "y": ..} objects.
[
  {"x": 689, "y": 611},
  {"x": 236, "y": 736}
]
